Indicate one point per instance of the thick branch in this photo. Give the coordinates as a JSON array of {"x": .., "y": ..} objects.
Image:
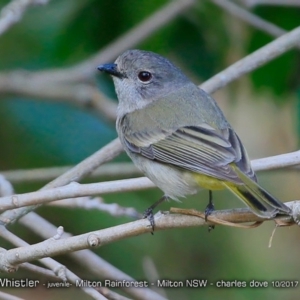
[{"x": 13, "y": 257}]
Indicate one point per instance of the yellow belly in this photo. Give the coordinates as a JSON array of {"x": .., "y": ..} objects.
[{"x": 208, "y": 182}]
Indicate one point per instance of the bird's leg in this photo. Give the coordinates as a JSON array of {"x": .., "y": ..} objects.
[
  {"x": 209, "y": 209},
  {"x": 149, "y": 211},
  {"x": 210, "y": 206}
]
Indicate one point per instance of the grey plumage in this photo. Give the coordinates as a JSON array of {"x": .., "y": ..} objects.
[{"x": 178, "y": 136}]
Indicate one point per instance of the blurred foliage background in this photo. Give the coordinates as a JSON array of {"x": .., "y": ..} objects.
[{"x": 263, "y": 107}]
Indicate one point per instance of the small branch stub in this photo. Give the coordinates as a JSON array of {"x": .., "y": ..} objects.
[
  {"x": 60, "y": 231},
  {"x": 5, "y": 266},
  {"x": 61, "y": 272},
  {"x": 93, "y": 240}
]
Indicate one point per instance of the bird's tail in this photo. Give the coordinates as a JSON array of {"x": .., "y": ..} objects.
[{"x": 261, "y": 202}]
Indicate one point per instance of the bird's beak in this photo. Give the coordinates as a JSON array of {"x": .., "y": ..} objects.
[{"x": 111, "y": 69}]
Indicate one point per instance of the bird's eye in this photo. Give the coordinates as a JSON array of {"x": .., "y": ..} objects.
[{"x": 145, "y": 76}]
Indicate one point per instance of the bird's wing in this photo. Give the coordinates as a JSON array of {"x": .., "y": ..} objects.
[{"x": 201, "y": 149}]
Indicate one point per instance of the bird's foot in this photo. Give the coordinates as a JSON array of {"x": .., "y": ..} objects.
[
  {"x": 148, "y": 213},
  {"x": 209, "y": 209}
]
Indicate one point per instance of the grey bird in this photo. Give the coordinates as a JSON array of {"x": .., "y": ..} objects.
[{"x": 176, "y": 134}]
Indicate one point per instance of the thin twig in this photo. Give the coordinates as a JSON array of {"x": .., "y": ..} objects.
[
  {"x": 74, "y": 189},
  {"x": 40, "y": 271},
  {"x": 107, "y": 172},
  {"x": 62, "y": 272},
  {"x": 251, "y": 18},
  {"x": 97, "y": 203},
  {"x": 110, "y": 294},
  {"x": 252, "y": 3},
  {"x": 128, "y": 170},
  {"x": 6, "y": 187},
  {"x": 5, "y": 296},
  {"x": 87, "y": 166},
  {"x": 152, "y": 275},
  {"x": 87, "y": 259},
  {"x": 13, "y": 12},
  {"x": 51, "y": 84},
  {"x": 276, "y": 162},
  {"x": 23, "y": 83},
  {"x": 245, "y": 65},
  {"x": 86, "y": 69},
  {"x": 253, "y": 61}
]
